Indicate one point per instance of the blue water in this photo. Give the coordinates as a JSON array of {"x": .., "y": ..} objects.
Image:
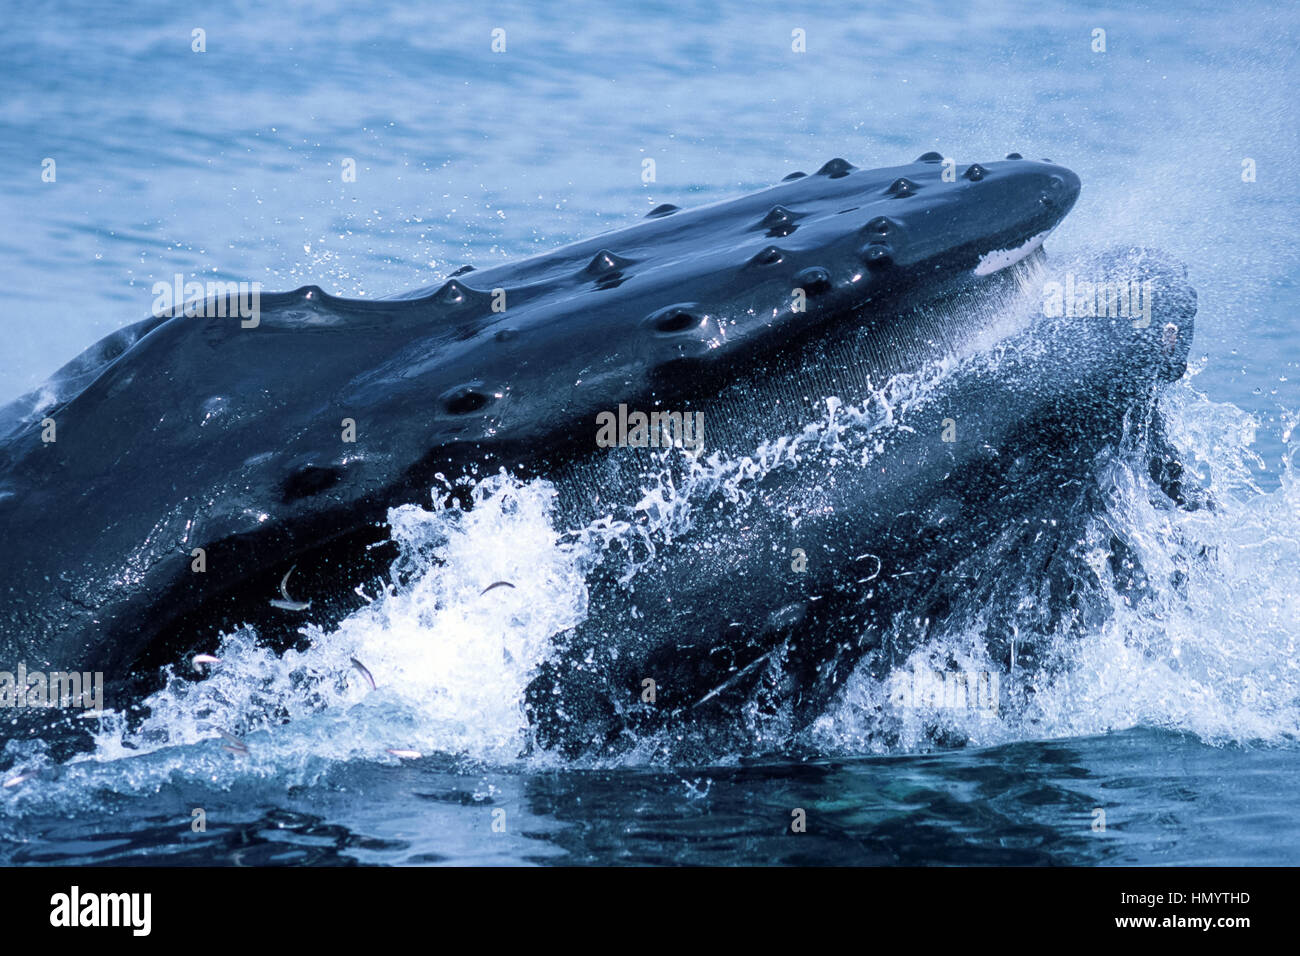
[{"x": 227, "y": 164}]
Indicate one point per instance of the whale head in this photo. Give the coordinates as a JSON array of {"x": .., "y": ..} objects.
[{"x": 280, "y": 444}]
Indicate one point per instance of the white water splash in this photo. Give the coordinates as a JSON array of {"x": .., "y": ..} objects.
[{"x": 1212, "y": 651}]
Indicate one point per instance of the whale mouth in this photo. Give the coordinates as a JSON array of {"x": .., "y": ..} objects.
[{"x": 998, "y": 259}]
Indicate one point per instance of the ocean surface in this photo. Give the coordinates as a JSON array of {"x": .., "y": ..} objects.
[{"x": 1172, "y": 736}]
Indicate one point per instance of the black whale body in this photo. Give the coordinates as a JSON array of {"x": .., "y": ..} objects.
[{"x": 185, "y": 432}]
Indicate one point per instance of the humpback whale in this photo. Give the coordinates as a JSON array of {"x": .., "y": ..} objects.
[{"x": 187, "y": 473}]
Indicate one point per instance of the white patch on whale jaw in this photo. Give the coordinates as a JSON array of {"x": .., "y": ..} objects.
[{"x": 991, "y": 262}]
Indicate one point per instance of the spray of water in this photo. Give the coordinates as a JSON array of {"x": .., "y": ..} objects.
[{"x": 478, "y": 597}]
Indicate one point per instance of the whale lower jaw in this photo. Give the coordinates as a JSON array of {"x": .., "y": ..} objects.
[
  {"x": 892, "y": 523},
  {"x": 999, "y": 259}
]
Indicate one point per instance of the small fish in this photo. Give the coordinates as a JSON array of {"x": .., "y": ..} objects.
[
  {"x": 874, "y": 574},
  {"x": 289, "y": 604},
  {"x": 236, "y": 746},
  {"x": 731, "y": 680},
  {"x": 205, "y": 659},
  {"x": 494, "y": 585},
  {"x": 15, "y": 781},
  {"x": 406, "y": 754},
  {"x": 364, "y": 672}
]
